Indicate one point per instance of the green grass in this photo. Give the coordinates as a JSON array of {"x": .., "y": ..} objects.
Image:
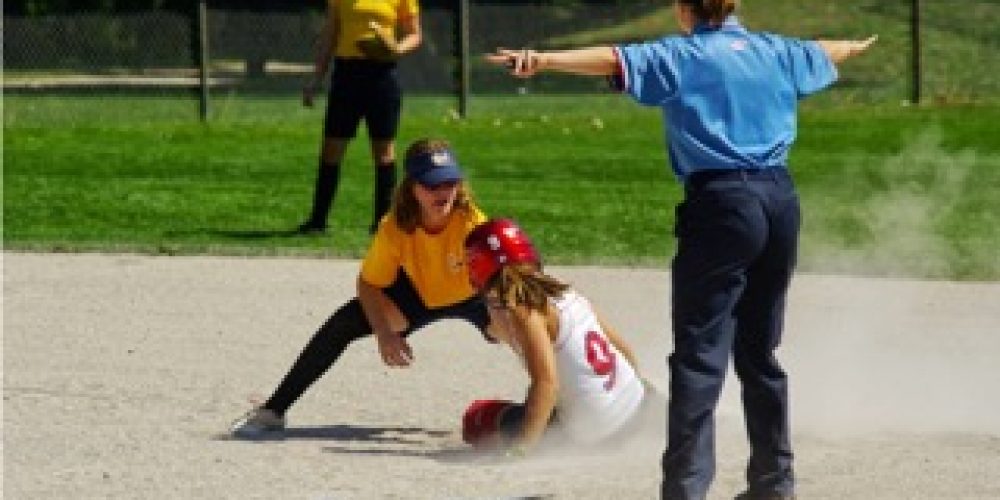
[{"x": 886, "y": 190}]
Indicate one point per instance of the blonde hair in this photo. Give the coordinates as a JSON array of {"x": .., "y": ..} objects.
[
  {"x": 405, "y": 207},
  {"x": 525, "y": 285},
  {"x": 711, "y": 11}
]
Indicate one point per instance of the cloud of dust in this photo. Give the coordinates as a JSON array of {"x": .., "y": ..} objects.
[
  {"x": 872, "y": 356},
  {"x": 900, "y": 358},
  {"x": 898, "y": 223},
  {"x": 872, "y": 391}
]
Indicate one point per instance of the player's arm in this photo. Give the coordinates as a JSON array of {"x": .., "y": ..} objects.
[
  {"x": 386, "y": 321},
  {"x": 841, "y": 50},
  {"x": 618, "y": 342},
  {"x": 410, "y": 38},
  {"x": 531, "y": 333},
  {"x": 322, "y": 53},
  {"x": 594, "y": 61},
  {"x": 411, "y": 34},
  {"x": 499, "y": 326}
]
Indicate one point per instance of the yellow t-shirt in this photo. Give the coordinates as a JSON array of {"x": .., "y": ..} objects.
[
  {"x": 435, "y": 263},
  {"x": 352, "y": 19}
]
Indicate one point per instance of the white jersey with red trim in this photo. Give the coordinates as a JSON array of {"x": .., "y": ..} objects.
[{"x": 599, "y": 390}]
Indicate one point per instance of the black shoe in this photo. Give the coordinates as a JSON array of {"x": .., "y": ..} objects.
[
  {"x": 309, "y": 228},
  {"x": 746, "y": 495}
]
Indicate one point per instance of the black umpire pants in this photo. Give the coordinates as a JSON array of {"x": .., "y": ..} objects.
[{"x": 737, "y": 236}]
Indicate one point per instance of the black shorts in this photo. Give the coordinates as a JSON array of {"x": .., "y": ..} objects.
[
  {"x": 405, "y": 296},
  {"x": 361, "y": 88}
]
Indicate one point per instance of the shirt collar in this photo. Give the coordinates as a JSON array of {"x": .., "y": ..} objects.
[{"x": 731, "y": 23}]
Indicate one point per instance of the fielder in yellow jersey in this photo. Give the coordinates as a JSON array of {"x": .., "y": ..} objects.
[
  {"x": 363, "y": 39},
  {"x": 434, "y": 262},
  {"x": 415, "y": 273},
  {"x": 359, "y": 20}
]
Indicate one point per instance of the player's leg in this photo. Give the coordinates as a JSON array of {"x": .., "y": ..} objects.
[
  {"x": 346, "y": 325},
  {"x": 760, "y": 318},
  {"x": 720, "y": 230},
  {"x": 487, "y": 423},
  {"x": 383, "y": 157},
  {"x": 343, "y": 115},
  {"x": 382, "y": 115}
]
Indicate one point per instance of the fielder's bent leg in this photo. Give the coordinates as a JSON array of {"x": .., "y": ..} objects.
[{"x": 346, "y": 325}]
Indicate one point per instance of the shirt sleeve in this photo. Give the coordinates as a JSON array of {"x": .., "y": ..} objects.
[
  {"x": 809, "y": 66},
  {"x": 478, "y": 217},
  {"x": 649, "y": 71},
  {"x": 383, "y": 259}
]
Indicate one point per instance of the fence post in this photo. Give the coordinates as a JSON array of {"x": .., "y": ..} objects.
[
  {"x": 463, "y": 48},
  {"x": 915, "y": 51},
  {"x": 202, "y": 56}
]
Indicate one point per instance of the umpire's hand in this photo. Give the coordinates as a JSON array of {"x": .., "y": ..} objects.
[{"x": 394, "y": 349}]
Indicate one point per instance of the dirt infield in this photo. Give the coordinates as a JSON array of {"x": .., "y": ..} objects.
[{"x": 122, "y": 372}]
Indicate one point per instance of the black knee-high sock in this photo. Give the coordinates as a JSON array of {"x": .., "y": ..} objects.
[
  {"x": 327, "y": 180},
  {"x": 344, "y": 326},
  {"x": 385, "y": 182}
]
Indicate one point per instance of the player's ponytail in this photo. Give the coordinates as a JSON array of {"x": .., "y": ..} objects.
[
  {"x": 526, "y": 285},
  {"x": 712, "y": 11}
]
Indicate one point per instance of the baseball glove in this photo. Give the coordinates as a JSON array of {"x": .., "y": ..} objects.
[{"x": 379, "y": 45}]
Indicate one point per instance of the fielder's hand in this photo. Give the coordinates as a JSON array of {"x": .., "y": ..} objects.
[
  {"x": 380, "y": 45},
  {"x": 394, "y": 349}
]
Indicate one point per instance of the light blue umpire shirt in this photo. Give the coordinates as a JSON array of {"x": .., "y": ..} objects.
[{"x": 728, "y": 96}]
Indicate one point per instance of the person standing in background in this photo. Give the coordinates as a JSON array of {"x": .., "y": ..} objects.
[
  {"x": 729, "y": 98},
  {"x": 363, "y": 39}
]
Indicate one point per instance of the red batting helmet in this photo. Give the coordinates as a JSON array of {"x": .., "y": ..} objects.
[{"x": 494, "y": 244}]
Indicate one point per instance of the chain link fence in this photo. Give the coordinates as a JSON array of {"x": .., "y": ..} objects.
[{"x": 157, "y": 51}]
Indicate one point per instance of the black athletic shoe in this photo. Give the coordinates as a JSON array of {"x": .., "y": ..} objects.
[{"x": 746, "y": 495}]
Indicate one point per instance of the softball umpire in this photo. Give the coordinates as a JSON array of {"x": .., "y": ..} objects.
[
  {"x": 364, "y": 38},
  {"x": 729, "y": 98}
]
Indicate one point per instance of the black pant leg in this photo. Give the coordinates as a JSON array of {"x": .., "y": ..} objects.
[
  {"x": 760, "y": 320},
  {"x": 346, "y": 325},
  {"x": 720, "y": 231},
  {"x": 327, "y": 181}
]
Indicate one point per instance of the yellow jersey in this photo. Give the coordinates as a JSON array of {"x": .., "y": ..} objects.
[
  {"x": 352, "y": 19},
  {"x": 435, "y": 263}
]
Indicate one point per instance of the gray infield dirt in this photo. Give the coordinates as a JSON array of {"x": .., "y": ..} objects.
[{"x": 122, "y": 373}]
